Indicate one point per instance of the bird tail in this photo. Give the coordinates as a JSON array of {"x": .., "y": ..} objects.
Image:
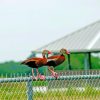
[{"x": 23, "y": 62}]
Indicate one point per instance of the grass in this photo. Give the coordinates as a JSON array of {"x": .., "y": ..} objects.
[
  {"x": 70, "y": 93},
  {"x": 18, "y": 91},
  {"x": 13, "y": 91},
  {"x": 39, "y": 83}
]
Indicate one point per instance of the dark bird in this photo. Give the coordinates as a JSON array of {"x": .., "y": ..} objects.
[
  {"x": 57, "y": 60},
  {"x": 37, "y": 62}
]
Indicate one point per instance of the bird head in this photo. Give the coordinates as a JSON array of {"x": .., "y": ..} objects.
[
  {"x": 46, "y": 52},
  {"x": 64, "y": 51}
]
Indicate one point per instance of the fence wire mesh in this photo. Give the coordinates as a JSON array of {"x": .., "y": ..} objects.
[{"x": 70, "y": 85}]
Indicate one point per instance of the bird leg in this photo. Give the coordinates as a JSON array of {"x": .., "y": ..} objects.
[
  {"x": 51, "y": 69},
  {"x": 33, "y": 76},
  {"x": 54, "y": 74},
  {"x": 38, "y": 74},
  {"x": 42, "y": 77}
]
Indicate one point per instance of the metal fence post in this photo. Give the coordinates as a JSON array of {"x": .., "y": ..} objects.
[{"x": 29, "y": 90}]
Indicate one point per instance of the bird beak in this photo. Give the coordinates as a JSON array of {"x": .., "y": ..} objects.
[
  {"x": 67, "y": 52},
  {"x": 49, "y": 52}
]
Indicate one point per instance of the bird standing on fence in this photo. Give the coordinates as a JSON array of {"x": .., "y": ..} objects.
[
  {"x": 57, "y": 60},
  {"x": 37, "y": 62}
]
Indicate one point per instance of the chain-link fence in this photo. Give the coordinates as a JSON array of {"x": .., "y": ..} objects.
[{"x": 70, "y": 85}]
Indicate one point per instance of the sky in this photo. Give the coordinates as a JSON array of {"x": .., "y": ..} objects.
[{"x": 26, "y": 25}]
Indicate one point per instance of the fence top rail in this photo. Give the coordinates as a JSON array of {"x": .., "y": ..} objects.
[
  {"x": 17, "y": 79},
  {"x": 62, "y": 77},
  {"x": 74, "y": 77},
  {"x": 79, "y": 72}
]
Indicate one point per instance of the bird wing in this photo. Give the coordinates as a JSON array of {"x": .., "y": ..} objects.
[
  {"x": 53, "y": 57},
  {"x": 56, "y": 60},
  {"x": 30, "y": 60},
  {"x": 41, "y": 62}
]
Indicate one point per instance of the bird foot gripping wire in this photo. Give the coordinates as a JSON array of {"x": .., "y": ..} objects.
[
  {"x": 34, "y": 78},
  {"x": 54, "y": 74},
  {"x": 41, "y": 77}
]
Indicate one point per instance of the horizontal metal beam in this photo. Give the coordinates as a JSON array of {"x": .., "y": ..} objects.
[
  {"x": 19, "y": 79},
  {"x": 72, "y": 51},
  {"x": 71, "y": 77},
  {"x": 74, "y": 77}
]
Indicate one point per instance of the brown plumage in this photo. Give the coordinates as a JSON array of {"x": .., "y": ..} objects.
[
  {"x": 57, "y": 59},
  {"x": 37, "y": 62}
]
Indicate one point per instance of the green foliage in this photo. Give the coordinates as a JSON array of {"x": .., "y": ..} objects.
[
  {"x": 95, "y": 62},
  {"x": 77, "y": 62},
  {"x": 13, "y": 67}
]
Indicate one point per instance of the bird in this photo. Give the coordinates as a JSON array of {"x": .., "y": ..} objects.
[
  {"x": 37, "y": 62},
  {"x": 57, "y": 60}
]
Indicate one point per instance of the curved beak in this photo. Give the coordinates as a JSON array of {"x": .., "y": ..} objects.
[{"x": 49, "y": 52}]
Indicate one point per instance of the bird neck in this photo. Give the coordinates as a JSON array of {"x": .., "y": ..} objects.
[
  {"x": 65, "y": 55},
  {"x": 44, "y": 56}
]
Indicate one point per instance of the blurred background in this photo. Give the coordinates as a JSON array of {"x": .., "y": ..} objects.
[{"x": 33, "y": 25}]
